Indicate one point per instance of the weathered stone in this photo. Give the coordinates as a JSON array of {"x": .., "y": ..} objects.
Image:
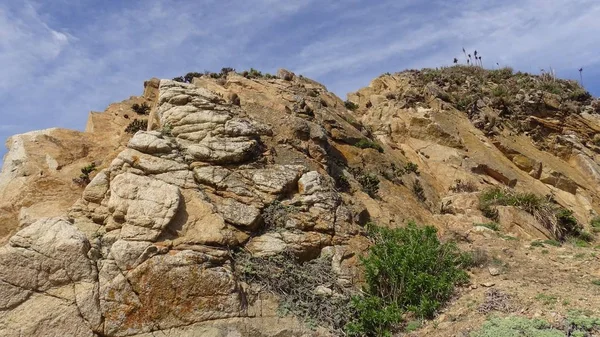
[
  {"x": 238, "y": 214},
  {"x": 285, "y": 74},
  {"x": 150, "y": 142},
  {"x": 142, "y": 202},
  {"x": 169, "y": 291},
  {"x": 97, "y": 188},
  {"x": 267, "y": 244},
  {"x": 278, "y": 179}
]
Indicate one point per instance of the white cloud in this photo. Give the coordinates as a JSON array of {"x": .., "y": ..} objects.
[{"x": 62, "y": 58}]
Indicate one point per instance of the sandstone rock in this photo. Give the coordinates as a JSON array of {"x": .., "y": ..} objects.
[
  {"x": 97, "y": 188},
  {"x": 238, "y": 214},
  {"x": 45, "y": 276},
  {"x": 276, "y": 180},
  {"x": 285, "y": 74},
  {"x": 558, "y": 180},
  {"x": 267, "y": 244},
  {"x": 150, "y": 142},
  {"x": 47, "y": 254},
  {"x": 145, "y": 205},
  {"x": 169, "y": 291}
]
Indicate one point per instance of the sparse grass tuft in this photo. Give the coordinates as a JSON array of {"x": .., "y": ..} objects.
[
  {"x": 559, "y": 221},
  {"x": 491, "y": 225},
  {"x": 368, "y": 144},
  {"x": 350, "y": 105}
]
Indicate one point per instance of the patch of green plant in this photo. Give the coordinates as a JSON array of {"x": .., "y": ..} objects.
[
  {"x": 559, "y": 221},
  {"x": 369, "y": 181},
  {"x": 295, "y": 283},
  {"x": 577, "y": 242},
  {"x": 406, "y": 270},
  {"x": 514, "y": 326},
  {"x": 552, "y": 243},
  {"x": 411, "y": 167},
  {"x": 509, "y": 238},
  {"x": 595, "y": 224},
  {"x": 491, "y": 225},
  {"x": 500, "y": 91},
  {"x": 141, "y": 109},
  {"x": 465, "y": 102},
  {"x": 252, "y": 73},
  {"x": 368, "y": 144},
  {"x": 137, "y": 125},
  {"x": 275, "y": 215},
  {"x": 84, "y": 177},
  {"x": 500, "y": 75},
  {"x": 583, "y": 322},
  {"x": 551, "y": 87},
  {"x": 537, "y": 244},
  {"x": 545, "y": 251},
  {"x": 580, "y": 95},
  {"x": 419, "y": 191},
  {"x": 546, "y": 299},
  {"x": 413, "y": 326},
  {"x": 350, "y": 105},
  {"x": 586, "y": 236}
]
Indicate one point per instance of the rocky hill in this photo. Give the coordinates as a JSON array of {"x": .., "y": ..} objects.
[{"x": 119, "y": 231}]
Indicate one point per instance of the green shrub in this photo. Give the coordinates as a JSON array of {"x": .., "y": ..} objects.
[
  {"x": 374, "y": 317},
  {"x": 370, "y": 183},
  {"x": 84, "y": 177},
  {"x": 580, "y": 95},
  {"x": 141, "y": 109},
  {"x": 368, "y": 144},
  {"x": 406, "y": 270},
  {"x": 499, "y": 75},
  {"x": 537, "y": 243},
  {"x": 190, "y": 76},
  {"x": 342, "y": 183},
  {"x": 137, "y": 125},
  {"x": 418, "y": 191},
  {"x": 411, "y": 167},
  {"x": 595, "y": 223},
  {"x": 350, "y": 105}
]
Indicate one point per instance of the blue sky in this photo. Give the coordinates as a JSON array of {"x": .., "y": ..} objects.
[{"x": 61, "y": 59}]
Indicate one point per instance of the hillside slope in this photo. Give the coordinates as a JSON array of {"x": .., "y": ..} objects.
[{"x": 147, "y": 240}]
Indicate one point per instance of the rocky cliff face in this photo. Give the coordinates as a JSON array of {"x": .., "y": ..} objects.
[{"x": 267, "y": 166}]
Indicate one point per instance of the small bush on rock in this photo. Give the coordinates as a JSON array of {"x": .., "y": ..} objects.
[
  {"x": 137, "y": 125},
  {"x": 368, "y": 144},
  {"x": 141, "y": 109},
  {"x": 369, "y": 181},
  {"x": 350, "y": 105},
  {"x": 84, "y": 177},
  {"x": 406, "y": 270}
]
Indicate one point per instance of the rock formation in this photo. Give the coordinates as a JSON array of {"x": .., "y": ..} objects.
[{"x": 145, "y": 248}]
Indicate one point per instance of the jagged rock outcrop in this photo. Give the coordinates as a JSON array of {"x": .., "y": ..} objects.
[{"x": 267, "y": 166}]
